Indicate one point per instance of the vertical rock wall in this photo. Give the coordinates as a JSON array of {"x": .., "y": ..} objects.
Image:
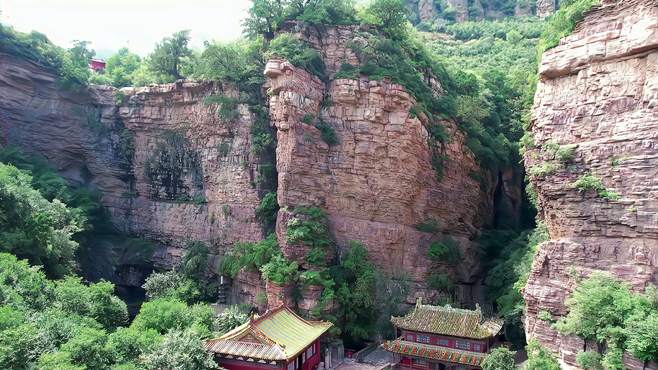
[
  {"x": 377, "y": 183},
  {"x": 84, "y": 135},
  {"x": 599, "y": 92}
]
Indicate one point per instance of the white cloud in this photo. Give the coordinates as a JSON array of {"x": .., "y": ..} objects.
[{"x": 138, "y": 24}]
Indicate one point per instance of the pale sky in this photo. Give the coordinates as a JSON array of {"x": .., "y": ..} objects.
[{"x": 136, "y": 24}]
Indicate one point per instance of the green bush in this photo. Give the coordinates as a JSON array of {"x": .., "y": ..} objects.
[
  {"x": 429, "y": 226},
  {"x": 563, "y": 22},
  {"x": 604, "y": 309},
  {"x": 327, "y": 132},
  {"x": 230, "y": 318},
  {"x": 228, "y": 106},
  {"x": 542, "y": 170},
  {"x": 440, "y": 281},
  {"x": 499, "y": 358},
  {"x": 540, "y": 358},
  {"x": 589, "y": 182},
  {"x": 347, "y": 71},
  {"x": 252, "y": 256},
  {"x": 279, "y": 270},
  {"x": 268, "y": 209},
  {"x": 309, "y": 226},
  {"x": 589, "y": 360},
  {"x": 298, "y": 53},
  {"x": 444, "y": 251}
]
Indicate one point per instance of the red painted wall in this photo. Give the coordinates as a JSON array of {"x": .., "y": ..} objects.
[{"x": 452, "y": 341}]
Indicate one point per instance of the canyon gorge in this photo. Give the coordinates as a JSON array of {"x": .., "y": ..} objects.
[{"x": 184, "y": 161}]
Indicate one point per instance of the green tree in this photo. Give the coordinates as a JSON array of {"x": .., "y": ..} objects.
[
  {"x": 172, "y": 285},
  {"x": 499, "y": 358},
  {"x": 163, "y": 315},
  {"x": 390, "y": 15},
  {"x": 230, "y": 318},
  {"x": 34, "y": 228},
  {"x": 195, "y": 260},
  {"x": 642, "y": 335},
  {"x": 171, "y": 55},
  {"x": 58, "y": 361},
  {"x": 356, "y": 281},
  {"x": 121, "y": 67},
  {"x": 539, "y": 358},
  {"x": 88, "y": 348},
  {"x": 589, "y": 360},
  {"x": 127, "y": 344},
  {"x": 96, "y": 301},
  {"x": 265, "y": 17},
  {"x": 180, "y": 350},
  {"x": 598, "y": 307}
]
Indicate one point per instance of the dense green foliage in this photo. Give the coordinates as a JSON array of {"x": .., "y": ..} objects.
[
  {"x": 605, "y": 310},
  {"x": 171, "y": 56},
  {"x": 297, "y": 52},
  {"x": 499, "y": 358},
  {"x": 122, "y": 68},
  {"x": 230, "y": 318},
  {"x": 68, "y": 324},
  {"x": 563, "y": 22},
  {"x": 33, "y": 227},
  {"x": 589, "y": 182},
  {"x": 539, "y": 358},
  {"x": 71, "y": 65},
  {"x": 309, "y": 227},
  {"x": 510, "y": 255}
]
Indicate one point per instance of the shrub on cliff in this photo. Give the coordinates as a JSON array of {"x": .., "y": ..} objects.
[
  {"x": 605, "y": 310},
  {"x": 297, "y": 52},
  {"x": 70, "y": 65},
  {"x": 563, "y": 22}
]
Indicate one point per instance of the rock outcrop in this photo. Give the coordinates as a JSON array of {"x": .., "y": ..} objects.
[
  {"x": 118, "y": 143},
  {"x": 173, "y": 167},
  {"x": 598, "y": 92},
  {"x": 545, "y": 8},
  {"x": 376, "y": 182}
]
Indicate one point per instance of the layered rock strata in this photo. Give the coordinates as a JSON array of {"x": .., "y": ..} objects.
[
  {"x": 376, "y": 183},
  {"x": 118, "y": 142},
  {"x": 598, "y": 93}
]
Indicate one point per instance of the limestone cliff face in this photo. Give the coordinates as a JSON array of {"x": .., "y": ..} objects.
[
  {"x": 598, "y": 91},
  {"x": 376, "y": 182},
  {"x": 127, "y": 143}
]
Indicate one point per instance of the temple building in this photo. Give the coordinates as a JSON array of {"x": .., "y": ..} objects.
[
  {"x": 279, "y": 339},
  {"x": 442, "y": 338}
]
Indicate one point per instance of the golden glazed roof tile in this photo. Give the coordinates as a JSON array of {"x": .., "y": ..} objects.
[
  {"x": 446, "y": 320},
  {"x": 281, "y": 332}
]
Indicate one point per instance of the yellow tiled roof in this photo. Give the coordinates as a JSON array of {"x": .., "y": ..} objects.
[
  {"x": 281, "y": 335},
  {"x": 446, "y": 320},
  {"x": 432, "y": 352}
]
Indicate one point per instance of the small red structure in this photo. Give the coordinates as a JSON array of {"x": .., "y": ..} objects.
[
  {"x": 442, "y": 338},
  {"x": 278, "y": 340},
  {"x": 97, "y": 65}
]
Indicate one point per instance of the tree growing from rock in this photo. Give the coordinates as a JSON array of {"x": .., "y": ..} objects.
[{"x": 171, "y": 55}]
